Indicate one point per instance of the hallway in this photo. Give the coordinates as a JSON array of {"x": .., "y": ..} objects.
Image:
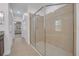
[{"x": 21, "y": 48}]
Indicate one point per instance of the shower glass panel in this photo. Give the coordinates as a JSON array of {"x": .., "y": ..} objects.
[
  {"x": 59, "y": 30},
  {"x": 52, "y": 30},
  {"x": 32, "y": 30},
  {"x": 40, "y": 34}
]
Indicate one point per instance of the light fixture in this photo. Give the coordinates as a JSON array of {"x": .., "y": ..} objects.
[{"x": 18, "y": 12}]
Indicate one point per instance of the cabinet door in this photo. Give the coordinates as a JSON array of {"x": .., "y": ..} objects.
[{"x": 59, "y": 30}]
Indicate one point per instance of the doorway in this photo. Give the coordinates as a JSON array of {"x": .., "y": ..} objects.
[{"x": 18, "y": 29}]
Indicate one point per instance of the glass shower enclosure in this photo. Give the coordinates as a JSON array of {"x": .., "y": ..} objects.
[{"x": 52, "y": 30}]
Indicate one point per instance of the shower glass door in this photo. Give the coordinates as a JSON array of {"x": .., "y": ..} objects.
[
  {"x": 59, "y": 30},
  {"x": 40, "y": 34},
  {"x": 52, "y": 30}
]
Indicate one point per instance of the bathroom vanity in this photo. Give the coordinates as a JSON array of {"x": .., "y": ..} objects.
[{"x": 1, "y": 43}]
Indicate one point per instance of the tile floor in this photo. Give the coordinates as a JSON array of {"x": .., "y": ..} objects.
[{"x": 21, "y": 48}]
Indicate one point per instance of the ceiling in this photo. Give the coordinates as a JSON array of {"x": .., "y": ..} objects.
[
  {"x": 20, "y": 8},
  {"x": 35, "y": 6}
]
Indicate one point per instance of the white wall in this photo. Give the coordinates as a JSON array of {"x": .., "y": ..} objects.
[
  {"x": 2, "y": 27},
  {"x": 11, "y": 29},
  {"x": 25, "y": 27},
  {"x": 6, "y": 28},
  {"x": 4, "y": 8}
]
